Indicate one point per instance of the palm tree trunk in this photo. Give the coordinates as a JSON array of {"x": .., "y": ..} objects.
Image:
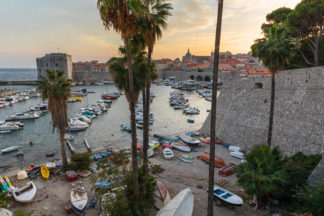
[
  {"x": 210, "y": 209},
  {"x": 63, "y": 149},
  {"x": 146, "y": 116},
  {"x": 132, "y": 115},
  {"x": 273, "y": 91}
]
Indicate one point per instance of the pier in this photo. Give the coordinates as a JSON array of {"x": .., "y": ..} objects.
[{"x": 8, "y": 83}]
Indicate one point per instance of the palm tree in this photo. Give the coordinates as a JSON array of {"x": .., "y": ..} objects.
[
  {"x": 56, "y": 88},
  {"x": 261, "y": 174},
  {"x": 152, "y": 23},
  {"x": 274, "y": 50},
  {"x": 213, "y": 110},
  {"x": 119, "y": 72},
  {"x": 121, "y": 15}
]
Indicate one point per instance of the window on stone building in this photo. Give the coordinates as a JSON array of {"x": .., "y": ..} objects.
[
  {"x": 46, "y": 64},
  {"x": 258, "y": 85},
  {"x": 56, "y": 65}
]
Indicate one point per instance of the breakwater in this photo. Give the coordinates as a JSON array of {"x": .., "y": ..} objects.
[{"x": 9, "y": 83}]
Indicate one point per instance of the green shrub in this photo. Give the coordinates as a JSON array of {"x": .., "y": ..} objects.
[
  {"x": 3, "y": 200},
  {"x": 21, "y": 213},
  {"x": 261, "y": 175},
  {"x": 310, "y": 199},
  {"x": 81, "y": 161},
  {"x": 156, "y": 169},
  {"x": 296, "y": 170}
]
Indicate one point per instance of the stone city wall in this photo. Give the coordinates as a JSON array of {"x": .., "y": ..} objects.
[
  {"x": 244, "y": 103},
  {"x": 91, "y": 77}
]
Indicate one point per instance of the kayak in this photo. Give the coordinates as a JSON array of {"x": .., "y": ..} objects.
[{"x": 45, "y": 172}]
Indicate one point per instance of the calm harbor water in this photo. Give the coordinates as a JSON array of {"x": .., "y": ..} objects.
[
  {"x": 105, "y": 130},
  {"x": 18, "y": 74}
]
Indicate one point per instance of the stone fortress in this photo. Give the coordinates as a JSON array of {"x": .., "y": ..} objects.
[
  {"x": 84, "y": 72},
  {"x": 244, "y": 103},
  {"x": 54, "y": 61}
]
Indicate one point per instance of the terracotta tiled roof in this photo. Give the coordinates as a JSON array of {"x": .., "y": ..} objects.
[
  {"x": 167, "y": 60},
  {"x": 262, "y": 72},
  {"x": 225, "y": 67}
]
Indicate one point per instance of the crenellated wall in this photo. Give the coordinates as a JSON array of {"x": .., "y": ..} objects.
[{"x": 244, "y": 103}]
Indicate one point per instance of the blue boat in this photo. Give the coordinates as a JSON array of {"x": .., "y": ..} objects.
[
  {"x": 227, "y": 196},
  {"x": 226, "y": 145},
  {"x": 3, "y": 186},
  {"x": 102, "y": 184},
  {"x": 96, "y": 157},
  {"x": 126, "y": 128},
  {"x": 190, "y": 121}
]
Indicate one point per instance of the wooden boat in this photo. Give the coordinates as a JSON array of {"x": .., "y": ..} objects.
[
  {"x": 239, "y": 155},
  {"x": 205, "y": 140},
  {"x": 189, "y": 140},
  {"x": 25, "y": 194},
  {"x": 168, "y": 154},
  {"x": 161, "y": 195},
  {"x": 227, "y": 196},
  {"x": 219, "y": 162},
  {"x": 79, "y": 199},
  {"x": 109, "y": 97},
  {"x": 181, "y": 146},
  {"x": 180, "y": 205},
  {"x": 10, "y": 149},
  {"x": 5, "y": 212},
  {"x": 227, "y": 170},
  {"x": 150, "y": 153},
  {"x": 45, "y": 172}
]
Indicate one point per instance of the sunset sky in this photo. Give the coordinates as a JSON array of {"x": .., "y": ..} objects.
[{"x": 31, "y": 28}]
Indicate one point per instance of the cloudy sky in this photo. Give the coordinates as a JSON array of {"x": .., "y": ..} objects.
[{"x": 31, "y": 28}]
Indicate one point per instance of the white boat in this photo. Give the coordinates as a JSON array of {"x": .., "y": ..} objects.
[
  {"x": 227, "y": 196},
  {"x": 180, "y": 205},
  {"x": 191, "y": 111},
  {"x": 5, "y": 131},
  {"x": 189, "y": 140},
  {"x": 181, "y": 146},
  {"x": 239, "y": 155},
  {"x": 150, "y": 153},
  {"x": 25, "y": 194},
  {"x": 24, "y": 116},
  {"x": 168, "y": 154},
  {"x": 5, "y": 126},
  {"x": 186, "y": 158},
  {"x": 10, "y": 149},
  {"x": 79, "y": 199},
  {"x": 234, "y": 148},
  {"x": 5, "y": 212}
]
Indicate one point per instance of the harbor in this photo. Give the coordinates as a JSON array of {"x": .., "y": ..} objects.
[{"x": 105, "y": 131}]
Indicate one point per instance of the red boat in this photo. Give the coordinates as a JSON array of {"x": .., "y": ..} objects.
[
  {"x": 165, "y": 145},
  {"x": 219, "y": 162},
  {"x": 109, "y": 97},
  {"x": 227, "y": 170},
  {"x": 71, "y": 175},
  {"x": 161, "y": 195},
  {"x": 207, "y": 140}
]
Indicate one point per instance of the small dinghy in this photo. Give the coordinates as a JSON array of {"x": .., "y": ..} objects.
[
  {"x": 186, "y": 158},
  {"x": 3, "y": 185},
  {"x": 79, "y": 199},
  {"x": 25, "y": 194},
  {"x": 234, "y": 148},
  {"x": 227, "y": 196},
  {"x": 154, "y": 144},
  {"x": 180, "y": 205},
  {"x": 10, "y": 149},
  {"x": 51, "y": 165},
  {"x": 189, "y": 140},
  {"x": 236, "y": 154},
  {"x": 218, "y": 161},
  {"x": 168, "y": 154},
  {"x": 5, "y": 212},
  {"x": 161, "y": 195},
  {"x": 181, "y": 146},
  {"x": 150, "y": 153},
  {"x": 45, "y": 172},
  {"x": 105, "y": 184}
]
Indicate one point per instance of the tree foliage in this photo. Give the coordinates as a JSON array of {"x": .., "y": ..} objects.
[
  {"x": 261, "y": 174},
  {"x": 57, "y": 88}
]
